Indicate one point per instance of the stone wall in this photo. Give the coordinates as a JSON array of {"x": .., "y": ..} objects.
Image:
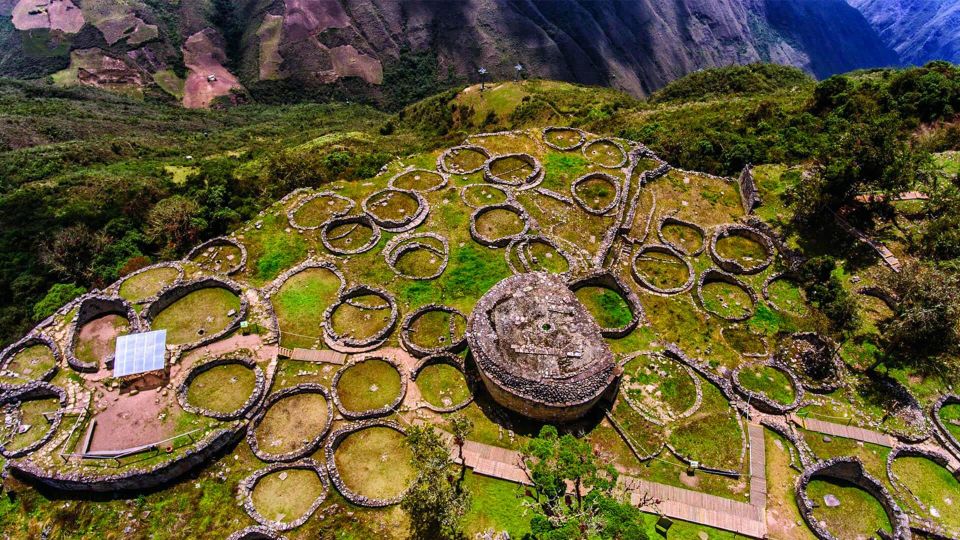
[
  {"x": 93, "y": 306},
  {"x": 254, "y": 398},
  {"x": 330, "y": 449},
  {"x": 222, "y": 241},
  {"x": 749, "y": 194},
  {"x": 34, "y": 338},
  {"x": 337, "y": 341},
  {"x": 305, "y": 450},
  {"x": 248, "y": 484}
]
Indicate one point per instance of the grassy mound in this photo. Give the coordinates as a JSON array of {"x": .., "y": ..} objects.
[
  {"x": 287, "y": 494},
  {"x": 205, "y": 309},
  {"x": 859, "y": 514},
  {"x": 368, "y": 385},
  {"x": 375, "y": 462},
  {"x": 147, "y": 284},
  {"x": 223, "y": 388},
  {"x": 292, "y": 422},
  {"x": 769, "y": 381}
]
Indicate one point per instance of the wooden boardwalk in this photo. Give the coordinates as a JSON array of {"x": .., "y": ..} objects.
[
  {"x": 758, "y": 466},
  {"x": 847, "y": 432},
  {"x": 313, "y": 355},
  {"x": 888, "y": 257},
  {"x": 677, "y": 503},
  {"x": 696, "y": 507}
]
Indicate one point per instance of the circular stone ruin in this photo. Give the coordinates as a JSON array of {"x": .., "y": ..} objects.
[
  {"x": 38, "y": 406},
  {"x": 220, "y": 255},
  {"x": 499, "y": 224},
  {"x": 537, "y": 253},
  {"x": 434, "y": 329},
  {"x": 685, "y": 237},
  {"x": 538, "y": 350},
  {"x": 311, "y": 212},
  {"x": 419, "y": 256},
  {"x": 813, "y": 360},
  {"x": 362, "y": 328},
  {"x": 269, "y": 493},
  {"x": 465, "y": 159},
  {"x": 369, "y": 463},
  {"x": 606, "y": 153},
  {"x": 597, "y": 193},
  {"x": 225, "y": 388},
  {"x": 741, "y": 249},
  {"x": 745, "y": 340},
  {"x": 368, "y": 388},
  {"x": 442, "y": 383},
  {"x": 396, "y": 210},
  {"x": 722, "y": 295},
  {"x": 945, "y": 413},
  {"x": 33, "y": 358},
  {"x": 198, "y": 312},
  {"x": 848, "y": 477},
  {"x": 350, "y": 235},
  {"x": 769, "y": 386},
  {"x": 94, "y": 330},
  {"x": 256, "y": 532},
  {"x": 645, "y": 378},
  {"x": 302, "y": 411},
  {"x": 144, "y": 285},
  {"x": 563, "y": 138},
  {"x": 479, "y": 195},
  {"x": 599, "y": 289},
  {"x": 515, "y": 170},
  {"x": 420, "y": 180},
  {"x": 783, "y": 293},
  {"x": 662, "y": 270}
]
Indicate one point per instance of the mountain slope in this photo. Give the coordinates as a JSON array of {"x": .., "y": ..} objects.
[
  {"x": 278, "y": 50},
  {"x": 919, "y": 30}
]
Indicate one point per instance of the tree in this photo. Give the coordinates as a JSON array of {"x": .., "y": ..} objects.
[
  {"x": 175, "y": 222},
  {"x": 561, "y": 465},
  {"x": 436, "y": 502},
  {"x": 70, "y": 253},
  {"x": 460, "y": 426},
  {"x": 926, "y": 322},
  {"x": 56, "y": 297},
  {"x": 825, "y": 290}
]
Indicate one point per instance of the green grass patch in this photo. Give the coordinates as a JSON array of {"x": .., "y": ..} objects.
[
  {"x": 205, "y": 309},
  {"x": 32, "y": 362},
  {"x": 300, "y": 304},
  {"x": 684, "y": 236},
  {"x": 223, "y": 388},
  {"x": 32, "y": 412},
  {"x": 375, "y": 462},
  {"x": 605, "y": 153},
  {"x": 608, "y": 308},
  {"x": 499, "y": 223},
  {"x": 280, "y": 252},
  {"x": 726, "y": 299},
  {"x": 950, "y": 415},
  {"x": 745, "y": 251},
  {"x": 287, "y": 494},
  {"x": 442, "y": 385},
  {"x": 934, "y": 485},
  {"x": 292, "y": 422},
  {"x": 147, "y": 284},
  {"x": 662, "y": 270},
  {"x": 319, "y": 210},
  {"x": 561, "y": 169},
  {"x": 859, "y": 515},
  {"x": 497, "y": 505},
  {"x": 788, "y": 296},
  {"x": 769, "y": 381},
  {"x": 370, "y": 384}
]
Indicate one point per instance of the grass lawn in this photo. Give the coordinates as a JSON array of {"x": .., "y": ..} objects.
[
  {"x": 32, "y": 362},
  {"x": 393, "y": 205},
  {"x": 543, "y": 257},
  {"x": 222, "y": 388},
  {"x": 368, "y": 385},
  {"x": 934, "y": 486},
  {"x": 859, "y": 514},
  {"x": 418, "y": 180},
  {"x": 496, "y": 505},
  {"x": 419, "y": 262},
  {"x": 499, "y": 223},
  {"x": 783, "y": 516},
  {"x": 375, "y": 462},
  {"x": 729, "y": 301},
  {"x": 562, "y": 137},
  {"x": 204, "y": 309},
  {"x": 350, "y": 236},
  {"x": 147, "y": 284},
  {"x": 561, "y": 169},
  {"x": 483, "y": 195},
  {"x": 744, "y": 339},
  {"x": 597, "y": 192},
  {"x": 319, "y": 210},
  {"x": 662, "y": 270},
  {"x": 292, "y": 422},
  {"x": 770, "y": 381},
  {"x": 442, "y": 385},
  {"x": 608, "y": 308},
  {"x": 432, "y": 329},
  {"x": 360, "y": 323},
  {"x": 511, "y": 169},
  {"x": 32, "y": 412},
  {"x": 655, "y": 381},
  {"x": 741, "y": 249},
  {"x": 605, "y": 153},
  {"x": 287, "y": 494},
  {"x": 300, "y": 303},
  {"x": 787, "y": 296},
  {"x": 950, "y": 415},
  {"x": 465, "y": 160},
  {"x": 684, "y": 236}
]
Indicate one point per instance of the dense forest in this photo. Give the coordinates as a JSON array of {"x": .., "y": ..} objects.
[{"x": 94, "y": 185}]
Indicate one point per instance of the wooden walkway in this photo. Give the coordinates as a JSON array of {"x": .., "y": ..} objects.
[
  {"x": 847, "y": 432},
  {"x": 696, "y": 507},
  {"x": 686, "y": 505},
  {"x": 888, "y": 257},
  {"x": 312, "y": 355},
  {"x": 758, "y": 466},
  {"x": 905, "y": 196}
]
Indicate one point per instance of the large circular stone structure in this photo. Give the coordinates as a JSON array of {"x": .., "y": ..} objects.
[{"x": 538, "y": 350}]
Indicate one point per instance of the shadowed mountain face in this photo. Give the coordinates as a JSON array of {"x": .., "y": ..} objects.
[
  {"x": 202, "y": 52},
  {"x": 919, "y": 30}
]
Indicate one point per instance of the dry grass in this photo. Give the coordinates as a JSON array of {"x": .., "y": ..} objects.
[
  {"x": 375, "y": 462},
  {"x": 292, "y": 422}
]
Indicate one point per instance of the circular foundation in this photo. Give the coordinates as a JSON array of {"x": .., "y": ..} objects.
[
  {"x": 306, "y": 448},
  {"x": 563, "y": 138},
  {"x": 335, "y": 234},
  {"x": 465, "y": 159},
  {"x": 665, "y": 253},
  {"x": 585, "y": 188},
  {"x": 457, "y": 338},
  {"x": 606, "y": 153},
  {"x": 339, "y": 341},
  {"x": 367, "y": 372},
  {"x": 434, "y": 362}
]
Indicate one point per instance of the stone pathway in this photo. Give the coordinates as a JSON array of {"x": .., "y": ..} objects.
[{"x": 847, "y": 432}]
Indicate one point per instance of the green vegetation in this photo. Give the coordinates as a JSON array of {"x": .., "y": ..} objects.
[
  {"x": 662, "y": 270},
  {"x": 437, "y": 501},
  {"x": 726, "y": 299},
  {"x": 950, "y": 415},
  {"x": 31, "y": 362},
  {"x": 291, "y": 422},
  {"x": 688, "y": 238},
  {"x": 859, "y": 515},
  {"x": 442, "y": 385},
  {"x": 147, "y": 284},
  {"x": 32, "y": 414},
  {"x": 300, "y": 304},
  {"x": 370, "y": 384},
  {"x": 608, "y": 308},
  {"x": 933, "y": 485},
  {"x": 203, "y": 310},
  {"x": 223, "y": 388},
  {"x": 769, "y": 381},
  {"x": 286, "y": 495},
  {"x": 376, "y": 462}
]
